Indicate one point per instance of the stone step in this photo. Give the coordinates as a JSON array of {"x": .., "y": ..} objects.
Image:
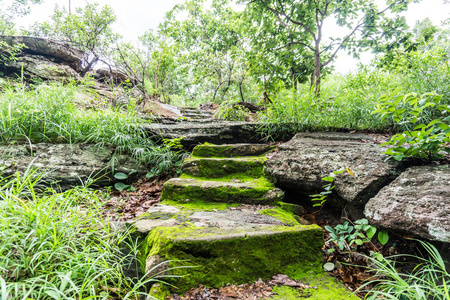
[
  {"x": 211, "y": 131},
  {"x": 234, "y": 245},
  {"x": 230, "y": 150},
  {"x": 240, "y": 167},
  {"x": 256, "y": 191}
]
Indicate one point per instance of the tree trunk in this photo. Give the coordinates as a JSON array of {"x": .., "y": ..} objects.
[
  {"x": 315, "y": 77},
  {"x": 240, "y": 91}
]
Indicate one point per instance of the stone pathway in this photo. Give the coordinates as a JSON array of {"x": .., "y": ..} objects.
[{"x": 222, "y": 223}]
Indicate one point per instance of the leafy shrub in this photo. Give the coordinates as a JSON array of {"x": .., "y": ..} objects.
[
  {"x": 346, "y": 235},
  {"x": 423, "y": 139}
]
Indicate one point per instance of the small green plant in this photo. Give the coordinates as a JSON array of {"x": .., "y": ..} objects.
[
  {"x": 422, "y": 139},
  {"x": 120, "y": 186},
  {"x": 348, "y": 235},
  {"x": 429, "y": 279},
  {"x": 322, "y": 197},
  {"x": 232, "y": 112}
]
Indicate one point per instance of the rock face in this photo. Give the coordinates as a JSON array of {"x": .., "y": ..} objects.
[
  {"x": 44, "y": 58},
  {"x": 68, "y": 165},
  {"x": 64, "y": 53},
  {"x": 301, "y": 164},
  {"x": 416, "y": 203}
]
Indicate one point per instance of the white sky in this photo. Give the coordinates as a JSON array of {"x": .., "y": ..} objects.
[{"x": 137, "y": 16}]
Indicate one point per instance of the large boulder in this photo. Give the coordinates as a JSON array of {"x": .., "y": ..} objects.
[
  {"x": 301, "y": 163},
  {"x": 63, "y": 53},
  {"x": 417, "y": 203},
  {"x": 68, "y": 165},
  {"x": 37, "y": 66}
]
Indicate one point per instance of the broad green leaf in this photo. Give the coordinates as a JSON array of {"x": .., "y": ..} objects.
[
  {"x": 383, "y": 237},
  {"x": 120, "y": 176}
]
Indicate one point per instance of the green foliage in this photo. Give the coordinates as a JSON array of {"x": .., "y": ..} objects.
[
  {"x": 349, "y": 235},
  {"x": 424, "y": 139},
  {"x": 346, "y": 104},
  {"x": 88, "y": 29},
  {"x": 230, "y": 112},
  {"x": 303, "y": 22},
  {"x": 210, "y": 60},
  {"x": 53, "y": 249},
  {"x": 321, "y": 198},
  {"x": 429, "y": 279},
  {"x": 8, "y": 14},
  {"x": 52, "y": 114}
]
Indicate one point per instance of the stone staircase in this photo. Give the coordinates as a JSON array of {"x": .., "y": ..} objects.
[{"x": 222, "y": 222}]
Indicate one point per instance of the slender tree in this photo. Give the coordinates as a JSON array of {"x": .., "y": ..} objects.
[{"x": 366, "y": 23}]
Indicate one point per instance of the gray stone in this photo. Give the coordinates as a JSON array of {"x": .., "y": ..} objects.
[
  {"x": 38, "y": 66},
  {"x": 301, "y": 163},
  {"x": 417, "y": 203},
  {"x": 232, "y": 219},
  {"x": 61, "y": 52},
  {"x": 68, "y": 165},
  {"x": 195, "y": 133},
  {"x": 146, "y": 225}
]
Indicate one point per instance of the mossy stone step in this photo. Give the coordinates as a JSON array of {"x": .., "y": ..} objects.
[
  {"x": 220, "y": 256},
  {"x": 256, "y": 191},
  {"x": 224, "y": 167},
  {"x": 211, "y": 150}
]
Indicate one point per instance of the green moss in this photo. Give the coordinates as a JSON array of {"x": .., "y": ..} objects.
[
  {"x": 223, "y": 256},
  {"x": 327, "y": 289},
  {"x": 210, "y": 150},
  {"x": 242, "y": 167},
  {"x": 293, "y": 208},
  {"x": 253, "y": 192},
  {"x": 282, "y": 215},
  {"x": 199, "y": 205}
]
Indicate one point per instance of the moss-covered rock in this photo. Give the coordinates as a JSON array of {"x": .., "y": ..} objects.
[
  {"x": 325, "y": 289},
  {"x": 221, "y": 256},
  {"x": 211, "y": 150},
  {"x": 256, "y": 191},
  {"x": 240, "y": 167}
]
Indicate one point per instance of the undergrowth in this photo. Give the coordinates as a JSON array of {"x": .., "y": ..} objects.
[
  {"x": 52, "y": 113},
  {"x": 58, "y": 246}
]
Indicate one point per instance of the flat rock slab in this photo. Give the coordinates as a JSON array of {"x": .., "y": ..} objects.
[
  {"x": 224, "y": 167},
  {"x": 195, "y": 133},
  {"x": 235, "y": 256},
  {"x": 257, "y": 191},
  {"x": 416, "y": 203},
  {"x": 301, "y": 164},
  {"x": 68, "y": 165},
  {"x": 230, "y": 150},
  {"x": 232, "y": 218}
]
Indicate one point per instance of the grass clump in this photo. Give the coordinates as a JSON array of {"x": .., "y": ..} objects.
[
  {"x": 54, "y": 114},
  {"x": 429, "y": 279},
  {"x": 58, "y": 246}
]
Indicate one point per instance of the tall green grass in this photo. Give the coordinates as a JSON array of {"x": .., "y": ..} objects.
[
  {"x": 58, "y": 246},
  {"x": 348, "y": 103},
  {"x": 53, "y": 113},
  {"x": 429, "y": 280}
]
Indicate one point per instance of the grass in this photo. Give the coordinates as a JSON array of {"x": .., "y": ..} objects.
[
  {"x": 429, "y": 279},
  {"x": 347, "y": 103},
  {"x": 58, "y": 246},
  {"x": 55, "y": 114}
]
